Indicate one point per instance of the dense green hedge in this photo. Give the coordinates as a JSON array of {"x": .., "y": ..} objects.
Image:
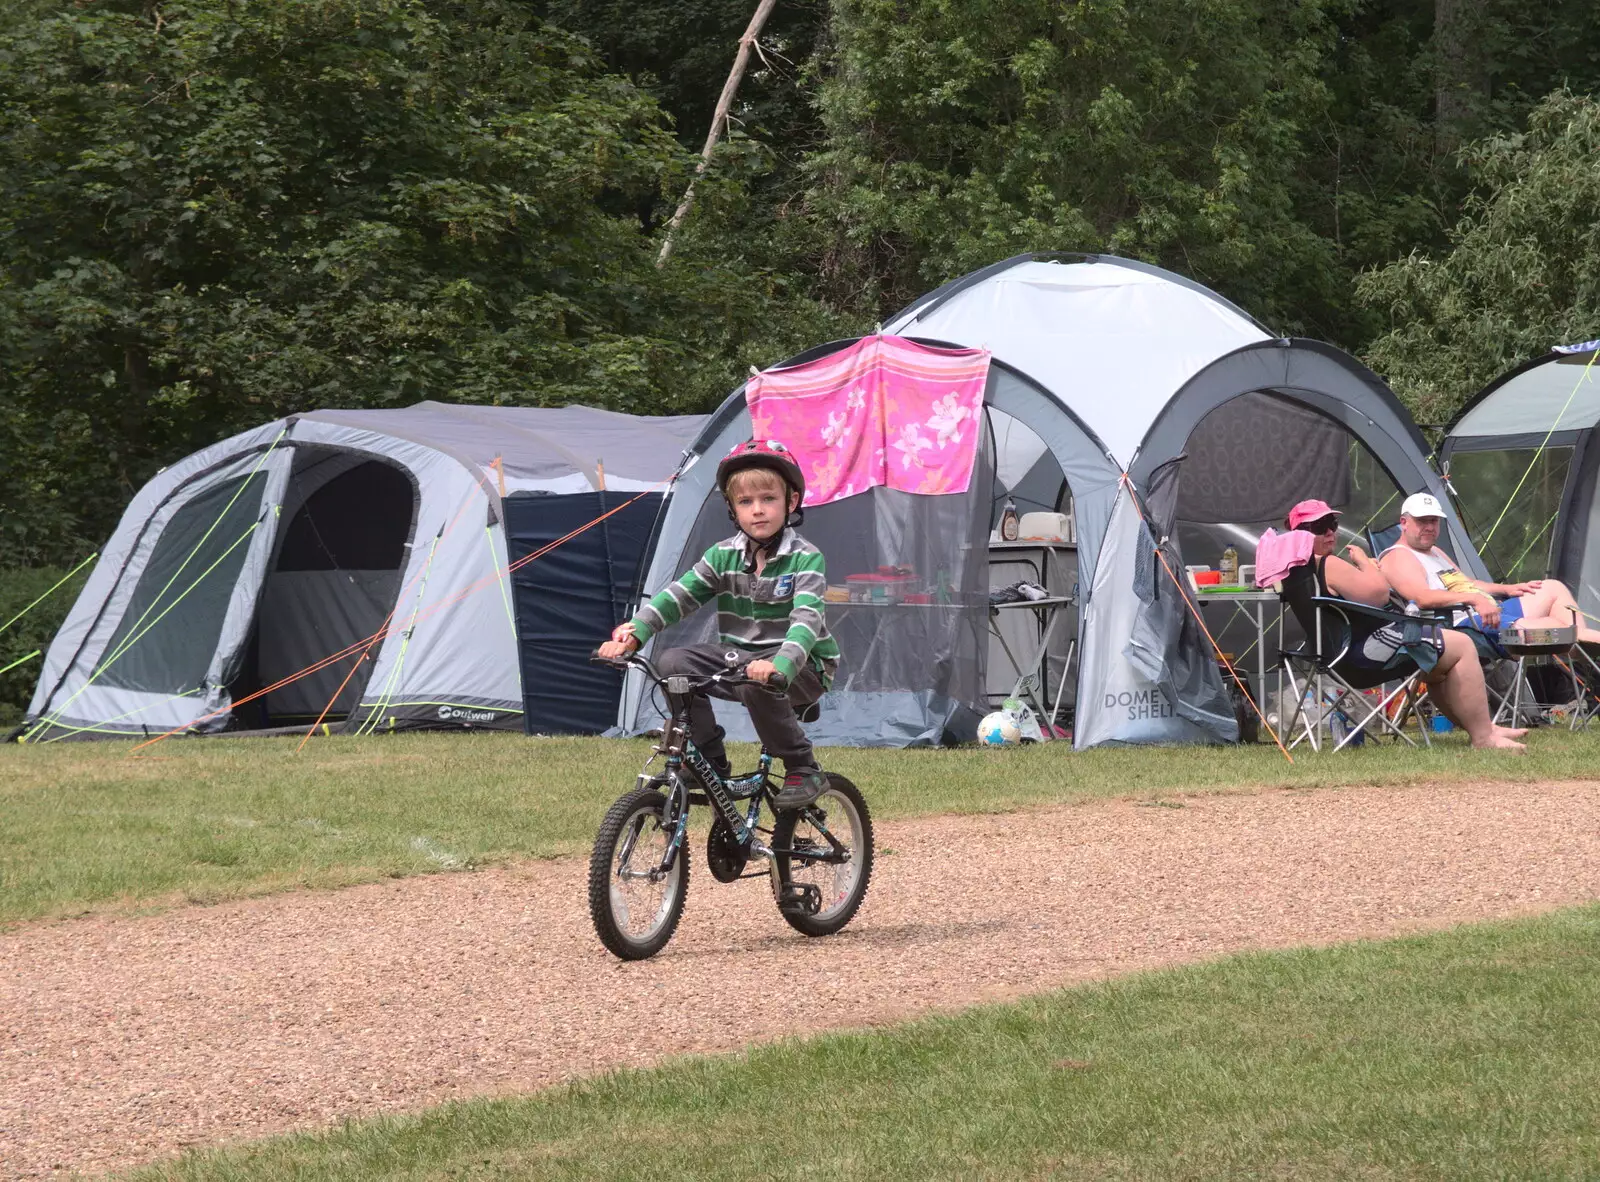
[{"x": 18, "y": 588}]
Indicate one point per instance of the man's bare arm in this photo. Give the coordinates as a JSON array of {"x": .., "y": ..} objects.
[{"x": 1406, "y": 575}]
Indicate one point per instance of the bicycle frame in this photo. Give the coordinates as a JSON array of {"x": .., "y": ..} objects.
[{"x": 682, "y": 756}]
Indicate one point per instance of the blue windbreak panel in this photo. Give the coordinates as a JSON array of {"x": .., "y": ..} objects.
[{"x": 568, "y": 600}]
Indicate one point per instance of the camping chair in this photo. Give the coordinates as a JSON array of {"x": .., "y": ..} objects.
[
  {"x": 1330, "y": 634},
  {"x": 1584, "y": 668},
  {"x": 1379, "y": 540}
]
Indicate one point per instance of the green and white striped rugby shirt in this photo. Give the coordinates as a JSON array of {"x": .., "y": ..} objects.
[{"x": 783, "y": 608}]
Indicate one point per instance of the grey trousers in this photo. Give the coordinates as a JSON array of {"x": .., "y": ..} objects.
[{"x": 772, "y": 714}]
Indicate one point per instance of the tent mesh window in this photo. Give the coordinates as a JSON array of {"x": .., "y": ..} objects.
[
  {"x": 1523, "y": 528},
  {"x": 908, "y": 590},
  {"x": 168, "y": 634}
]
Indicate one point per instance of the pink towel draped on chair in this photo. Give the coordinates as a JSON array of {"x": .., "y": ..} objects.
[
  {"x": 1277, "y": 554},
  {"x": 885, "y": 411}
]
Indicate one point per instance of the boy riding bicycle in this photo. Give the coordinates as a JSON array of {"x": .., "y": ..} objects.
[{"x": 768, "y": 582}]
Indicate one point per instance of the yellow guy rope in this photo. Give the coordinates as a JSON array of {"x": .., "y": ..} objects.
[{"x": 1582, "y": 377}]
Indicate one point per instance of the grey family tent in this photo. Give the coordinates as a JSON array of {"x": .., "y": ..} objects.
[
  {"x": 1173, "y": 421},
  {"x": 1522, "y": 460},
  {"x": 381, "y": 535}
]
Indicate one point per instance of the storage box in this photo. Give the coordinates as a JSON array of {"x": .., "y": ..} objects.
[{"x": 878, "y": 588}]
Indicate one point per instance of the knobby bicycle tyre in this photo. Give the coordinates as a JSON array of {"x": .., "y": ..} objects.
[
  {"x": 843, "y": 885},
  {"x": 635, "y": 924}
]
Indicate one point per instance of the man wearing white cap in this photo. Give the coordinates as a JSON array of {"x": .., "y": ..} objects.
[{"x": 1420, "y": 571}]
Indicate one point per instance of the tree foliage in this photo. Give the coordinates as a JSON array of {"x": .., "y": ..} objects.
[
  {"x": 1522, "y": 272},
  {"x": 963, "y": 132},
  {"x": 215, "y": 214},
  {"x": 1383, "y": 175}
]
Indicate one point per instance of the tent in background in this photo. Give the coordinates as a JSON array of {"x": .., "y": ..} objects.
[
  {"x": 1108, "y": 366},
  {"x": 1522, "y": 462},
  {"x": 259, "y": 556}
]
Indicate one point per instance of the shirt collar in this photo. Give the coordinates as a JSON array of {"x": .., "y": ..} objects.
[{"x": 787, "y": 542}]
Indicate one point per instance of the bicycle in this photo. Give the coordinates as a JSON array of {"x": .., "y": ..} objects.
[{"x": 818, "y": 858}]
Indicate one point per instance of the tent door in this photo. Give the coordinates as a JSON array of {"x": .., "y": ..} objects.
[{"x": 332, "y": 584}]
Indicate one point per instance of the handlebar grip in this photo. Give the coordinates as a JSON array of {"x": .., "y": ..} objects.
[{"x": 777, "y": 682}]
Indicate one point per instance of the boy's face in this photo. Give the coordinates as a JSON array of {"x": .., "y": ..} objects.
[{"x": 761, "y": 502}]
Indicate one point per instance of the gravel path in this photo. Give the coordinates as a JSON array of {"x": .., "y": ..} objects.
[{"x": 124, "y": 1040}]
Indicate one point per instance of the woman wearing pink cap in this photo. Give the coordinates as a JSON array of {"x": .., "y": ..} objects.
[{"x": 1455, "y": 682}]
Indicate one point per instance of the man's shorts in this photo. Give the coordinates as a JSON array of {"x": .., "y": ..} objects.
[{"x": 1487, "y": 640}]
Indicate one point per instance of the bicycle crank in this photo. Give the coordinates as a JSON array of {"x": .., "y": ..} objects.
[
  {"x": 800, "y": 898},
  {"x": 725, "y": 856}
]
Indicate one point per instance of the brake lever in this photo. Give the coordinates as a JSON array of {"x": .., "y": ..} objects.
[{"x": 776, "y": 683}]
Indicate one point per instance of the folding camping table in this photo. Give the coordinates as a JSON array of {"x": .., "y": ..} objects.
[
  {"x": 1242, "y": 601},
  {"x": 1048, "y": 611}
]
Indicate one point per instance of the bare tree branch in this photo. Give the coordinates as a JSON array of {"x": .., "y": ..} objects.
[{"x": 718, "y": 122}]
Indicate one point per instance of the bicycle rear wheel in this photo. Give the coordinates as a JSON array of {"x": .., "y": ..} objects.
[
  {"x": 634, "y": 905},
  {"x": 806, "y": 857}
]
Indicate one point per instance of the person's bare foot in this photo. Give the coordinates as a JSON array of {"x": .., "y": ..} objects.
[
  {"x": 1511, "y": 732},
  {"x": 1502, "y": 743}
]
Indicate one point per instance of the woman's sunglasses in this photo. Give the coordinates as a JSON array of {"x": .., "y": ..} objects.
[{"x": 1323, "y": 525}]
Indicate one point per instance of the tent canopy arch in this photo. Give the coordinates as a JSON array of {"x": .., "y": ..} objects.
[
  {"x": 1326, "y": 380},
  {"x": 885, "y": 707}
]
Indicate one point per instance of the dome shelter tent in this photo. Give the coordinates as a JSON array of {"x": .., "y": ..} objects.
[
  {"x": 1113, "y": 365},
  {"x": 1522, "y": 461},
  {"x": 253, "y": 559}
]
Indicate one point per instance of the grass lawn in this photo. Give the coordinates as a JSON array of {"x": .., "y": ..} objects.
[
  {"x": 90, "y": 827},
  {"x": 1468, "y": 1054}
]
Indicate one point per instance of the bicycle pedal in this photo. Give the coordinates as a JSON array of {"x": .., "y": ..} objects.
[{"x": 800, "y": 898}]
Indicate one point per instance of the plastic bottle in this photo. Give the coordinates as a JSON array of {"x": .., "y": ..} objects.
[
  {"x": 1009, "y": 522},
  {"x": 1229, "y": 567}
]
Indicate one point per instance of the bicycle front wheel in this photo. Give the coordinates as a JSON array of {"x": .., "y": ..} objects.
[
  {"x": 634, "y": 903},
  {"x": 839, "y": 869}
]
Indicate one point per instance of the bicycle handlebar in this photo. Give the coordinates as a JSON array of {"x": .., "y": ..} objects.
[{"x": 775, "y": 683}]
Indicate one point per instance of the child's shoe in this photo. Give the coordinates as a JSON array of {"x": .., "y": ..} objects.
[{"x": 801, "y": 786}]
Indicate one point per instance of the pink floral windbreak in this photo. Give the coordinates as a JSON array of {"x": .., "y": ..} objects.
[{"x": 884, "y": 411}]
